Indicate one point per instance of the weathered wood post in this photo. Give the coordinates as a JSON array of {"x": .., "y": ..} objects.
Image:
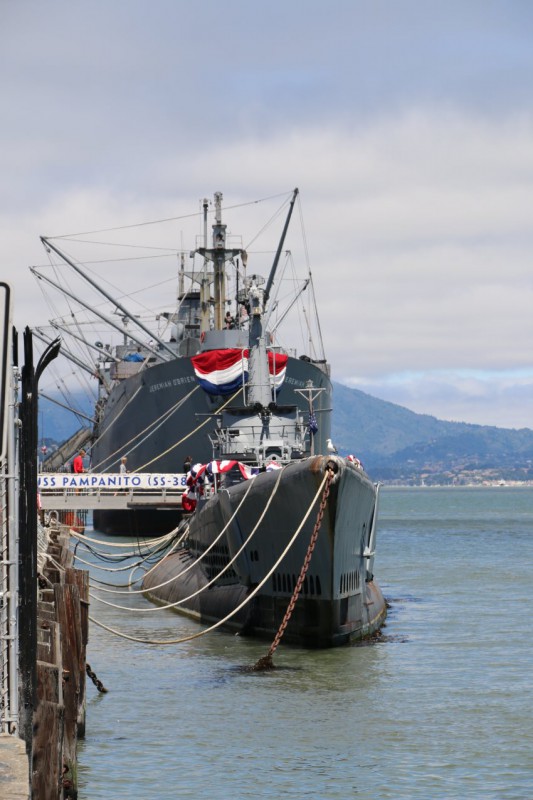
[
  {"x": 27, "y": 545},
  {"x": 28, "y": 531}
]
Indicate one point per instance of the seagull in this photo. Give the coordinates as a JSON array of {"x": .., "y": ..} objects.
[{"x": 331, "y": 446}]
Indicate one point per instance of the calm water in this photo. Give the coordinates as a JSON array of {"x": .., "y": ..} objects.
[{"x": 442, "y": 708}]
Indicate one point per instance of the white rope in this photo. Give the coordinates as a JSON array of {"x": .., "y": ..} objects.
[
  {"x": 235, "y": 610},
  {"x": 213, "y": 580},
  {"x": 53, "y": 562},
  {"x": 131, "y": 581},
  {"x": 174, "y": 546},
  {"x": 107, "y": 569},
  {"x": 204, "y": 554},
  {"x": 84, "y": 538},
  {"x": 131, "y": 567}
]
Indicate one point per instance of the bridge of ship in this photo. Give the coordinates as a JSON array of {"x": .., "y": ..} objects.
[{"x": 108, "y": 490}]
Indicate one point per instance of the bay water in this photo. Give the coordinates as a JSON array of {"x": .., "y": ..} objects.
[{"x": 441, "y": 707}]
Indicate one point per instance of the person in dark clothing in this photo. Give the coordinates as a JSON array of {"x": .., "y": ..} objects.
[{"x": 187, "y": 464}]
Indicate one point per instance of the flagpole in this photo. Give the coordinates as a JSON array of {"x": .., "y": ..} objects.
[{"x": 311, "y": 392}]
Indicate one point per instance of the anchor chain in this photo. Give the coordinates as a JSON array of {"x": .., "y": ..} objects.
[
  {"x": 97, "y": 682},
  {"x": 265, "y": 662}
]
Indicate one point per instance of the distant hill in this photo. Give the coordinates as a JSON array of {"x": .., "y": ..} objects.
[
  {"x": 57, "y": 423},
  {"x": 394, "y": 444}
]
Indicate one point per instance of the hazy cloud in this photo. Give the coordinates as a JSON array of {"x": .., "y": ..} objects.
[{"x": 407, "y": 127}]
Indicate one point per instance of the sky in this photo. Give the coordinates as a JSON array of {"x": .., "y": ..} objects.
[{"x": 406, "y": 124}]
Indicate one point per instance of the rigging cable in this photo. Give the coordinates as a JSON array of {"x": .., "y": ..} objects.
[
  {"x": 308, "y": 262},
  {"x": 184, "y": 439},
  {"x": 167, "y": 219},
  {"x": 159, "y": 421}
]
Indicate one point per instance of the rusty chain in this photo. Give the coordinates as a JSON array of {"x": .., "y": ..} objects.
[
  {"x": 265, "y": 662},
  {"x": 97, "y": 682}
]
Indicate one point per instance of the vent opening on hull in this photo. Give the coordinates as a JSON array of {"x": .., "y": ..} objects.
[
  {"x": 286, "y": 584},
  {"x": 349, "y": 582}
]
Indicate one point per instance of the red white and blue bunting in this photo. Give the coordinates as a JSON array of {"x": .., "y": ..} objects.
[
  {"x": 221, "y": 372},
  {"x": 199, "y": 473}
]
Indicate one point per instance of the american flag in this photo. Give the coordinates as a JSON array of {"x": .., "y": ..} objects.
[{"x": 312, "y": 424}]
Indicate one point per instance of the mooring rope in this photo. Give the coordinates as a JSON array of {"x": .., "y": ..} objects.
[
  {"x": 132, "y": 568},
  {"x": 116, "y": 558},
  {"x": 84, "y": 538},
  {"x": 123, "y": 568},
  {"x": 173, "y": 547},
  {"x": 213, "y": 580},
  {"x": 204, "y": 554},
  {"x": 136, "y": 565},
  {"x": 248, "y": 598},
  {"x": 129, "y": 566}
]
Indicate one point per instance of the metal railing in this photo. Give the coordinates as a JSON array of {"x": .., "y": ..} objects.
[
  {"x": 9, "y": 579},
  {"x": 4, "y": 603}
]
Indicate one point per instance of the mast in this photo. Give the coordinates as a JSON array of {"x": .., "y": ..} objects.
[
  {"x": 272, "y": 275},
  {"x": 205, "y": 283},
  {"x": 219, "y": 246},
  {"x": 259, "y": 390},
  {"x": 259, "y": 383},
  {"x": 311, "y": 393},
  {"x": 218, "y": 254}
]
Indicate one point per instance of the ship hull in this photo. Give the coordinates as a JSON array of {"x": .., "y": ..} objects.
[{"x": 339, "y": 601}]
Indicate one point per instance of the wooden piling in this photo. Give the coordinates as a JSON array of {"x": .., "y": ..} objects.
[{"x": 62, "y": 633}]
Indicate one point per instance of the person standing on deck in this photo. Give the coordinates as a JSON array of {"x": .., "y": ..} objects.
[
  {"x": 123, "y": 469},
  {"x": 77, "y": 464}
]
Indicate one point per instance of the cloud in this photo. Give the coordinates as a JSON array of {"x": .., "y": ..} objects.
[
  {"x": 408, "y": 132},
  {"x": 503, "y": 399}
]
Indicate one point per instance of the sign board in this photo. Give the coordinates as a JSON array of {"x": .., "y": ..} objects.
[
  {"x": 5, "y": 349},
  {"x": 109, "y": 481}
]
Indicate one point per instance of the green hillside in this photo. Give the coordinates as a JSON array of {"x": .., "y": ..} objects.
[{"x": 393, "y": 442}]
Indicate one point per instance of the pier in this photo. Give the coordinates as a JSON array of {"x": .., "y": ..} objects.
[
  {"x": 51, "y": 713},
  {"x": 62, "y": 635},
  {"x": 43, "y": 602}
]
